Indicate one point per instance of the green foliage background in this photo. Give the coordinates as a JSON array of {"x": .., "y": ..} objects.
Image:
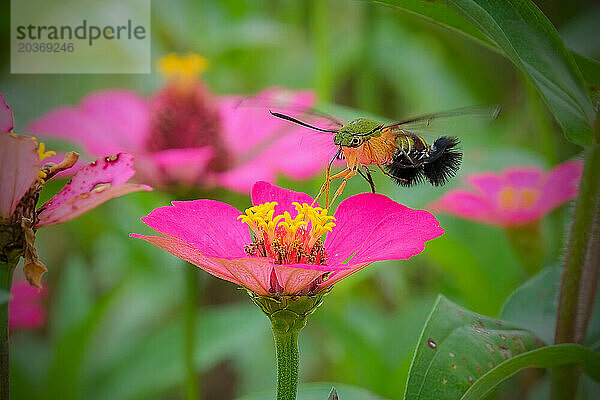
[{"x": 114, "y": 304}]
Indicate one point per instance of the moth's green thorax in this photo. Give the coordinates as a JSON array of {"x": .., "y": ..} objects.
[{"x": 356, "y": 132}]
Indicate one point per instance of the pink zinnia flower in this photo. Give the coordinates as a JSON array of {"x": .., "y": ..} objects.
[
  {"x": 516, "y": 196},
  {"x": 184, "y": 136},
  {"x": 283, "y": 253},
  {"x": 22, "y": 176},
  {"x": 25, "y": 310}
]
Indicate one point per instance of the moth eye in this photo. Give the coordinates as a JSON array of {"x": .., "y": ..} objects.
[{"x": 356, "y": 141}]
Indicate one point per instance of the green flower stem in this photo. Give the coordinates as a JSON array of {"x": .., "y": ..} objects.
[
  {"x": 527, "y": 242},
  {"x": 6, "y": 271},
  {"x": 288, "y": 360},
  {"x": 288, "y": 316},
  {"x": 575, "y": 294},
  {"x": 191, "y": 300}
]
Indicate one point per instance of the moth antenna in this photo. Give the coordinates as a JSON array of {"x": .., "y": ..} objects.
[{"x": 297, "y": 121}]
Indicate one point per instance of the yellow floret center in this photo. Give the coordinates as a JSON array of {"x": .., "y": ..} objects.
[
  {"x": 185, "y": 67},
  {"x": 42, "y": 154},
  {"x": 511, "y": 198},
  {"x": 262, "y": 221},
  {"x": 285, "y": 239}
]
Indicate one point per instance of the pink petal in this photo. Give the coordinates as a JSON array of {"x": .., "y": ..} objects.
[
  {"x": 299, "y": 155},
  {"x": 341, "y": 274},
  {"x": 246, "y": 121},
  {"x": 25, "y": 310},
  {"x": 487, "y": 184},
  {"x": 178, "y": 165},
  {"x": 295, "y": 280},
  {"x": 6, "y": 116},
  {"x": 372, "y": 227},
  {"x": 189, "y": 253},
  {"x": 210, "y": 226},
  {"x": 242, "y": 178},
  {"x": 91, "y": 186},
  {"x": 261, "y": 142},
  {"x": 253, "y": 273},
  {"x": 19, "y": 167},
  {"x": 106, "y": 122},
  {"x": 264, "y": 192},
  {"x": 124, "y": 112},
  {"x": 561, "y": 185},
  {"x": 467, "y": 205},
  {"x": 524, "y": 177}
]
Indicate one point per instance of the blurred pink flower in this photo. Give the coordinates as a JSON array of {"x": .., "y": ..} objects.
[
  {"x": 22, "y": 176},
  {"x": 516, "y": 196},
  {"x": 24, "y": 309},
  {"x": 184, "y": 136},
  {"x": 284, "y": 254}
]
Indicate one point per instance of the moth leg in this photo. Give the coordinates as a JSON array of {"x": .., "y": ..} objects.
[
  {"x": 368, "y": 177},
  {"x": 325, "y": 186},
  {"x": 349, "y": 175},
  {"x": 390, "y": 175}
]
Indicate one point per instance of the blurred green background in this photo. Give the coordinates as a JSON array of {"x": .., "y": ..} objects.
[{"x": 114, "y": 328}]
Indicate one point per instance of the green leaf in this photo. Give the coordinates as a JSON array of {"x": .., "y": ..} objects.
[
  {"x": 533, "y": 305},
  {"x": 590, "y": 69},
  {"x": 545, "y": 357},
  {"x": 457, "y": 347},
  {"x": 320, "y": 391},
  {"x": 524, "y": 34}
]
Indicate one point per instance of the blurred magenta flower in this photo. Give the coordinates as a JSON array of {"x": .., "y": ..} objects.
[
  {"x": 283, "y": 253},
  {"x": 25, "y": 309},
  {"x": 184, "y": 136},
  {"x": 22, "y": 176},
  {"x": 516, "y": 196}
]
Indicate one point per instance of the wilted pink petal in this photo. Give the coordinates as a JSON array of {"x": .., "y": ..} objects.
[
  {"x": 6, "y": 116},
  {"x": 372, "y": 227},
  {"x": 91, "y": 186},
  {"x": 106, "y": 122},
  {"x": 210, "y": 235},
  {"x": 515, "y": 196},
  {"x": 25, "y": 310},
  {"x": 19, "y": 168}
]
